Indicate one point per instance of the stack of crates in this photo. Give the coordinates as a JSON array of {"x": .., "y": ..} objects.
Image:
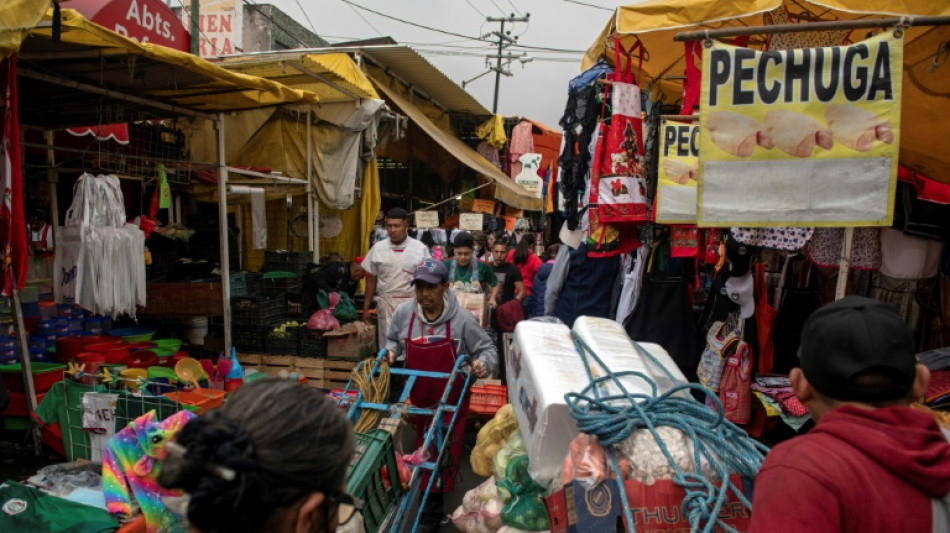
[
  {"x": 294, "y": 262},
  {"x": 253, "y": 318}
]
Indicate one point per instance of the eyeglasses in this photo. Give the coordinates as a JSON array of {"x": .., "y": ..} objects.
[{"x": 347, "y": 506}]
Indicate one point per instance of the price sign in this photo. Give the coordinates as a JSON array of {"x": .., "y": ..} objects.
[
  {"x": 483, "y": 206},
  {"x": 427, "y": 219},
  {"x": 470, "y": 221}
]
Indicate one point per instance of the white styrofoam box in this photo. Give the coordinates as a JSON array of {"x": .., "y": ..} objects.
[
  {"x": 609, "y": 340},
  {"x": 544, "y": 365}
]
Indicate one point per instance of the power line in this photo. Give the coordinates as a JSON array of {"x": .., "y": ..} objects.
[
  {"x": 275, "y": 23},
  {"x": 454, "y": 34},
  {"x": 479, "y": 11},
  {"x": 589, "y": 5},
  {"x": 500, "y": 10},
  {"x": 512, "y": 4},
  {"x": 368, "y": 23},
  {"x": 200, "y": 33},
  {"x": 306, "y": 16}
]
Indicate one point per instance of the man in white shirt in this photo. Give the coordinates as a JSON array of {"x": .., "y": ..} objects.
[
  {"x": 390, "y": 266},
  {"x": 41, "y": 234}
]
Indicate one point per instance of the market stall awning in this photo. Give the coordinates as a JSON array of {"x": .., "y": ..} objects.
[
  {"x": 656, "y": 22},
  {"x": 17, "y": 18},
  {"x": 334, "y": 77},
  {"x": 505, "y": 190},
  {"x": 96, "y": 72}
]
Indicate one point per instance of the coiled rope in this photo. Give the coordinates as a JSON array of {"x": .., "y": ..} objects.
[
  {"x": 716, "y": 441},
  {"x": 373, "y": 389}
]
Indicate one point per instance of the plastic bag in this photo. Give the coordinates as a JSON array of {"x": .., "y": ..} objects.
[
  {"x": 345, "y": 310},
  {"x": 525, "y": 510},
  {"x": 491, "y": 439},
  {"x": 515, "y": 446},
  {"x": 323, "y": 319},
  {"x": 506, "y": 529},
  {"x": 323, "y": 300}
]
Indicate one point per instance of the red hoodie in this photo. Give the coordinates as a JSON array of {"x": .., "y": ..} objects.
[{"x": 859, "y": 470}]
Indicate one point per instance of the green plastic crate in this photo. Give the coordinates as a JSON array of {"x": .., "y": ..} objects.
[{"x": 364, "y": 476}]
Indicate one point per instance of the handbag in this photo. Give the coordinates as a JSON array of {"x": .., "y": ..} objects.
[
  {"x": 765, "y": 320},
  {"x": 735, "y": 391},
  {"x": 619, "y": 191},
  {"x": 721, "y": 343}
]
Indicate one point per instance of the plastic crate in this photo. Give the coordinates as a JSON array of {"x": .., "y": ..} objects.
[
  {"x": 245, "y": 284},
  {"x": 310, "y": 343},
  {"x": 364, "y": 476},
  {"x": 300, "y": 305},
  {"x": 254, "y": 311},
  {"x": 281, "y": 345},
  {"x": 281, "y": 283},
  {"x": 295, "y": 262},
  {"x": 251, "y": 339},
  {"x": 487, "y": 399}
]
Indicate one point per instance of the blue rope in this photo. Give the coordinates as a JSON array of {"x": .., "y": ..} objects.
[{"x": 613, "y": 418}]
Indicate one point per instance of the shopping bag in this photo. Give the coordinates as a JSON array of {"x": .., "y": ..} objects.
[
  {"x": 620, "y": 192},
  {"x": 720, "y": 345},
  {"x": 67, "y": 263}
]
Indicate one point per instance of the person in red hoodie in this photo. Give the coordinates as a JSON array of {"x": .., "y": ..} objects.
[{"x": 871, "y": 464}]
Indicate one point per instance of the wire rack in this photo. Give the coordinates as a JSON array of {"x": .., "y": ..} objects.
[{"x": 79, "y": 442}]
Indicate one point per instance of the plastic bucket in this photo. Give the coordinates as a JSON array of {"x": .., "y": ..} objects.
[
  {"x": 194, "y": 330},
  {"x": 68, "y": 348},
  {"x": 130, "y": 377},
  {"x": 114, "y": 353},
  {"x": 140, "y": 359},
  {"x": 92, "y": 360}
]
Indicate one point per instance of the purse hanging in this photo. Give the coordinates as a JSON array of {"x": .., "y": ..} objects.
[{"x": 619, "y": 192}]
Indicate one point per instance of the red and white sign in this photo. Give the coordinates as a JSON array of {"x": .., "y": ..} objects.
[{"x": 145, "y": 21}]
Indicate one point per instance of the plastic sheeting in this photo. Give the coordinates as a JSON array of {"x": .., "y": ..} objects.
[{"x": 17, "y": 18}]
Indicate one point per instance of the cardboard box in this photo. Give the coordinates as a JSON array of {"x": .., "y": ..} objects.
[
  {"x": 655, "y": 508},
  {"x": 354, "y": 342},
  {"x": 477, "y": 304}
]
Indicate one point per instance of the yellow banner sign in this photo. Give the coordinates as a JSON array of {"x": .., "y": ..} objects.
[
  {"x": 678, "y": 169},
  {"x": 805, "y": 137}
]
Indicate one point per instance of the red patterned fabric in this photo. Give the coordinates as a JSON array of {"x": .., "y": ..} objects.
[{"x": 13, "y": 229}]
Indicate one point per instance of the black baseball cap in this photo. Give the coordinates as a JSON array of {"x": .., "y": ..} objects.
[
  {"x": 464, "y": 239},
  {"x": 397, "y": 212},
  {"x": 852, "y": 337}
]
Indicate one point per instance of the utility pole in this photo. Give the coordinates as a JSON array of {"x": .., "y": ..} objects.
[{"x": 503, "y": 41}]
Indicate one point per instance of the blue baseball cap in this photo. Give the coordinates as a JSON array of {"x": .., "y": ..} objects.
[{"x": 431, "y": 271}]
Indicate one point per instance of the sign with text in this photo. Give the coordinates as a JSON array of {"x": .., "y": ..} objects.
[
  {"x": 220, "y": 25},
  {"x": 803, "y": 137},
  {"x": 679, "y": 165},
  {"x": 145, "y": 21},
  {"x": 427, "y": 219},
  {"x": 483, "y": 206},
  {"x": 470, "y": 221}
]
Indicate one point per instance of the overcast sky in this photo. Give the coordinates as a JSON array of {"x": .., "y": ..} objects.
[{"x": 537, "y": 90}]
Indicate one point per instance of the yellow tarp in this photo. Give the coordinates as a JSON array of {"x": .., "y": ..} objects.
[
  {"x": 214, "y": 88},
  {"x": 505, "y": 189},
  {"x": 492, "y": 131},
  {"x": 17, "y": 18},
  {"x": 336, "y": 68},
  {"x": 656, "y": 22}
]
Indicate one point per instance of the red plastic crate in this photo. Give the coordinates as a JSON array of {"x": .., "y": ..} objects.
[
  {"x": 17, "y": 405},
  {"x": 487, "y": 399}
]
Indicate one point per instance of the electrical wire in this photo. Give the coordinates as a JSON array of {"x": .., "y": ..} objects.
[
  {"x": 257, "y": 8},
  {"x": 306, "y": 16},
  {"x": 589, "y": 5},
  {"x": 373, "y": 389},
  {"x": 366, "y": 20},
  {"x": 479, "y": 11},
  {"x": 500, "y": 10},
  {"x": 512, "y": 4},
  {"x": 192, "y": 17}
]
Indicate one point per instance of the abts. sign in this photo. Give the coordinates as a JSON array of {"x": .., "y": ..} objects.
[{"x": 146, "y": 21}]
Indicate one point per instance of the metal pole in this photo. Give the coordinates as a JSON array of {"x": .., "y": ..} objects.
[
  {"x": 195, "y": 33},
  {"x": 844, "y": 264},
  {"x": 812, "y": 26},
  {"x": 26, "y": 367},
  {"x": 311, "y": 233},
  {"x": 52, "y": 176},
  {"x": 501, "y": 41},
  {"x": 223, "y": 231}
]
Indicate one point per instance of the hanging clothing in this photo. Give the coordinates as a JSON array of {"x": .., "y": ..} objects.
[
  {"x": 43, "y": 238},
  {"x": 522, "y": 142},
  {"x": 824, "y": 248},
  {"x": 632, "y": 282},
  {"x": 586, "y": 287},
  {"x": 907, "y": 257},
  {"x": 790, "y": 239},
  {"x": 489, "y": 153},
  {"x": 539, "y": 287},
  {"x": 98, "y": 420}
]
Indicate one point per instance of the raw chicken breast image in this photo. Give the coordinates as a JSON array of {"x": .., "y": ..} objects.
[
  {"x": 679, "y": 171},
  {"x": 735, "y": 133},
  {"x": 796, "y": 134},
  {"x": 857, "y": 128}
]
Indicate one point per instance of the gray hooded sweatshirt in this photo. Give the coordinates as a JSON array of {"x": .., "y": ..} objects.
[{"x": 474, "y": 340}]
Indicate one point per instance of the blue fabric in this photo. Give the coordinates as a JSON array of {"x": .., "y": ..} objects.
[
  {"x": 539, "y": 288},
  {"x": 588, "y": 76},
  {"x": 587, "y": 288}
]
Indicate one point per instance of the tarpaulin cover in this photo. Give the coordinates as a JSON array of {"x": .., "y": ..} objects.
[
  {"x": 656, "y": 22},
  {"x": 17, "y": 18},
  {"x": 505, "y": 190},
  {"x": 207, "y": 87}
]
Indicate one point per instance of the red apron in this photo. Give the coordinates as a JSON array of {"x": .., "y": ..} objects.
[{"x": 437, "y": 356}]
